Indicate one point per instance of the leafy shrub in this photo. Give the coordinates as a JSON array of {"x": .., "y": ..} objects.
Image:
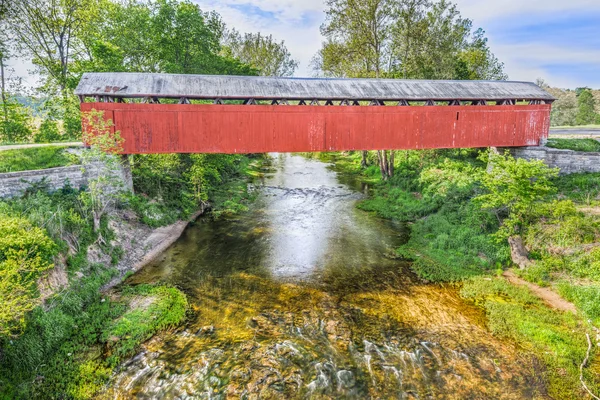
[
  {"x": 172, "y": 186},
  {"x": 454, "y": 244},
  {"x": 17, "y": 128},
  {"x": 449, "y": 180},
  {"x": 515, "y": 187},
  {"x": 25, "y": 253},
  {"x": 48, "y": 132}
]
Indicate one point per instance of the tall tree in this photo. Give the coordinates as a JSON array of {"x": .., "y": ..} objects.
[
  {"x": 586, "y": 114},
  {"x": 264, "y": 53},
  {"x": 4, "y": 55},
  {"x": 46, "y": 30},
  {"x": 357, "y": 37},
  {"x": 157, "y": 36},
  {"x": 417, "y": 39}
]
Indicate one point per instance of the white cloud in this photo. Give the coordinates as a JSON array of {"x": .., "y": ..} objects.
[
  {"x": 288, "y": 23},
  {"x": 486, "y": 10},
  {"x": 297, "y": 23}
]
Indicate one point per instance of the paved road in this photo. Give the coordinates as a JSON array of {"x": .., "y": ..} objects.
[
  {"x": 576, "y": 132},
  {"x": 28, "y": 146}
]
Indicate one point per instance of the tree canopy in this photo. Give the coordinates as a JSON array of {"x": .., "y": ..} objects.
[
  {"x": 411, "y": 39},
  {"x": 264, "y": 53},
  {"x": 66, "y": 38}
]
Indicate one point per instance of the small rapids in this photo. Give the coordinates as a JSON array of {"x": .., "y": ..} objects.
[{"x": 299, "y": 298}]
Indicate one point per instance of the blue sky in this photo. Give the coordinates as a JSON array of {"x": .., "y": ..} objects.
[{"x": 556, "y": 40}]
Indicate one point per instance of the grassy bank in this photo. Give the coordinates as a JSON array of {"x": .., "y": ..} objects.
[
  {"x": 590, "y": 145},
  {"x": 455, "y": 238},
  {"x": 68, "y": 346},
  {"x": 35, "y": 158}
]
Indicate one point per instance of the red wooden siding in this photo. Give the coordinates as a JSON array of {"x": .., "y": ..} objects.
[{"x": 193, "y": 128}]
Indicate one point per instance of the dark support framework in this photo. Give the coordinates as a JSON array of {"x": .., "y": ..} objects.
[{"x": 316, "y": 102}]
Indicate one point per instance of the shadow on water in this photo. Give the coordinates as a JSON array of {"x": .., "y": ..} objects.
[{"x": 297, "y": 298}]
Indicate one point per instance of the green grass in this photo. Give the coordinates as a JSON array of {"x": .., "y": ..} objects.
[
  {"x": 454, "y": 244},
  {"x": 585, "y": 297},
  {"x": 35, "y": 158},
  {"x": 556, "y": 338},
  {"x": 581, "y": 188},
  {"x": 395, "y": 203},
  {"x": 77, "y": 344},
  {"x": 589, "y": 145}
]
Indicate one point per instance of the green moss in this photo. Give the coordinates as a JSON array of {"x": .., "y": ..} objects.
[
  {"x": 166, "y": 309},
  {"x": 35, "y": 158},
  {"x": 77, "y": 343},
  {"x": 591, "y": 145}
]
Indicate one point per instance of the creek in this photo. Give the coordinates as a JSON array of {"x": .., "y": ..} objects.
[{"x": 301, "y": 297}]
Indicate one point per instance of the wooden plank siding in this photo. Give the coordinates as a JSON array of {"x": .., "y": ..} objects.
[{"x": 209, "y": 128}]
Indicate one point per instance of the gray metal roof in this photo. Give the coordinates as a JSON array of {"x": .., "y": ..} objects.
[{"x": 247, "y": 87}]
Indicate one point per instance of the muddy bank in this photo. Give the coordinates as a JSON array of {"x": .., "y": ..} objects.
[{"x": 141, "y": 244}]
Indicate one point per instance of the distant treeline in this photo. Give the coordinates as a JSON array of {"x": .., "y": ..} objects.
[{"x": 580, "y": 106}]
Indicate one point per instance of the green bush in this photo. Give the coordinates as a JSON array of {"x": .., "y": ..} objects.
[
  {"x": 17, "y": 129},
  {"x": 454, "y": 243},
  {"x": 172, "y": 186},
  {"x": 25, "y": 253},
  {"x": 48, "y": 132},
  {"x": 514, "y": 190}
]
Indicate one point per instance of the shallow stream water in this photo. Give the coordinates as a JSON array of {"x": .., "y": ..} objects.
[{"x": 301, "y": 297}]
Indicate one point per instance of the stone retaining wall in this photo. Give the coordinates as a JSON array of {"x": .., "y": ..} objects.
[
  {"x": 568, "y": 161},
  {"x": 14, "y": 184}
]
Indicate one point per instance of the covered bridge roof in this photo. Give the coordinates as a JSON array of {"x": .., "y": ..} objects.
[{"x": 128, "y": 85}]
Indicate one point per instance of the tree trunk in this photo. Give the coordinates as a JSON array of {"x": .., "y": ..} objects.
[
  {"x": 380, "y": 162},
  {"x": 363, "y": 161},
  {"x": 490, "y": 165},
  {"x": 3, "y": 94},
  {"x": 518, "y": 252},
  {"x": 97, "y": 216},
  {"x": 386, "y": 163}
]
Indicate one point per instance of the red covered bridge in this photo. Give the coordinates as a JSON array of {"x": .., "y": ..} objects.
[{"x": 162, "y": 113}]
